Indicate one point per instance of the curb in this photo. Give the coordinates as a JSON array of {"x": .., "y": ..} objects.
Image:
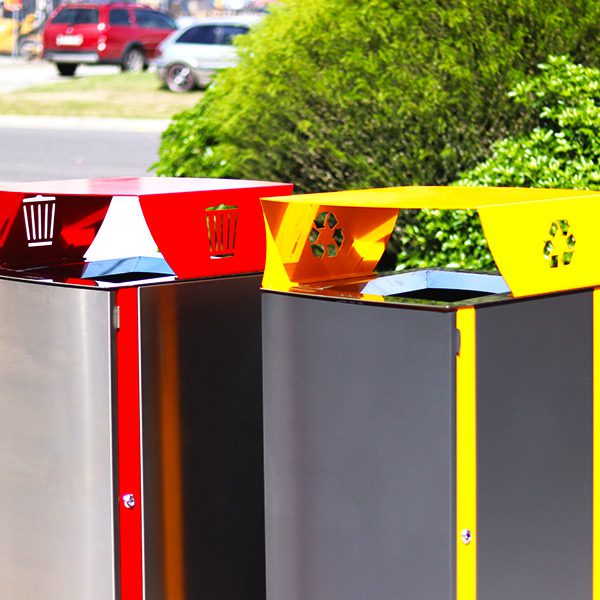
[{"x": 84, "y": 123}]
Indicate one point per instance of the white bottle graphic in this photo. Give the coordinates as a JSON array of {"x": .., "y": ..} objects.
[{"x": 39, "y": 215}]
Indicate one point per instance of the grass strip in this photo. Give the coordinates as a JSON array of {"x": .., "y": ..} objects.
[{"x": 125, "y": 95}]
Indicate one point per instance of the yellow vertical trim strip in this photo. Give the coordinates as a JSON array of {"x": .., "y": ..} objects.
[
  {"x": 466, "y": 457},
  {"x": 596, "y": 452}
]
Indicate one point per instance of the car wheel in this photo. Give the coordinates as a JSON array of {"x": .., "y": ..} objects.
[
  {"x": 179, "y": 78},
  {"x": 66, "y": 69},
  {"x": 134, "y": 60},
  {"x": 27, "y": 49}
]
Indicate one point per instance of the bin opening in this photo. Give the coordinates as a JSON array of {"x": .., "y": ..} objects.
[
  {"x": 127, "y": 277},
  {"x": 437, "y": 285},
  {"x": 105, "y": 273},
  {"x": 441, "y": 294}
]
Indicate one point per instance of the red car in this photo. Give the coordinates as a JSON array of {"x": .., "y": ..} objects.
[{"x": 115, "y": 33}]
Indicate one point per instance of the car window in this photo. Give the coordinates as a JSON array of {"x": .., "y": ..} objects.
[
  {"x": 118, "y": 16},
  {"x": 201, "y": 34},
  {"x": 226, "y": 33},
  {"x": 154, "y": 20},
  {"x": 211, "y": 34},
  {"x": 76, "y": 16}
]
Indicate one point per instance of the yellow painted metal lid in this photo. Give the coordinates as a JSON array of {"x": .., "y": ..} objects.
[{"x": 543, "y": 240}]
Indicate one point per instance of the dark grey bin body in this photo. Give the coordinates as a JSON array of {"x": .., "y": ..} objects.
[
  {"x": 218, "y": 399},
  {"x": 359, "y": 417}
]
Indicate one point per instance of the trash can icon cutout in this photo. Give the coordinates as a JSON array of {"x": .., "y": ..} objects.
[
  {"x": 221, "y": 224},
  {"x": 429, "y": 433},
  {"x": 39, "y": 213}
]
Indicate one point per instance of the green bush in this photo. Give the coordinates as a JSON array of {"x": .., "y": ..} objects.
[
  {"x": 450, "y": 239},
  {"x": 562, "y": 152},
  {"x": 191, "y": 140},
  {"x": 347, "y": 94}
]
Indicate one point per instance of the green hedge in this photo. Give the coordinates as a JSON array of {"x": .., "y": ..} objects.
[
  {"x": 343, "y": 94},
  {"x": 562, "y": 152}
]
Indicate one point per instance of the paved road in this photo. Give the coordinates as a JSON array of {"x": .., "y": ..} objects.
[{"x": 33, "y": 150}]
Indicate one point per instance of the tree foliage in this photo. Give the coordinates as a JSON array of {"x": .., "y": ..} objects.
[
  {"x": 362, "y": 93},
  {"x": 563, "y": 151}
]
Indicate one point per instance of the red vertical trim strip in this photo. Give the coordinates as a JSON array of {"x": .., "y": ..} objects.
[{"x": 129, "y": 441}]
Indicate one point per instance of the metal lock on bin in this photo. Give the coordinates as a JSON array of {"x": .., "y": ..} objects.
[
  {"x": 432, "y": 433},
  {"x": 130, "y": 389}
]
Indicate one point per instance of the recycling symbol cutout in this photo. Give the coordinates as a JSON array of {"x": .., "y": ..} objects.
[
  {"x": 326, "y": 236},
  {"x": 559, "y": 248}
]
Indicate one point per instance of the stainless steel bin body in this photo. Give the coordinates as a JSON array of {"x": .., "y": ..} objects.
[{"x": 57, "y": 475}]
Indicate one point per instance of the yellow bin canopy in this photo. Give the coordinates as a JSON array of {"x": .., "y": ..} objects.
[{"x": 543, "y": 240}]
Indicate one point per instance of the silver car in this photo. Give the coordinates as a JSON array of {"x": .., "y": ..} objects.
[{"x": 189, "y": 57}]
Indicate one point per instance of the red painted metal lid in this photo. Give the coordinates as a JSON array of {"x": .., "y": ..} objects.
[{"x": 202, "y": 227}]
